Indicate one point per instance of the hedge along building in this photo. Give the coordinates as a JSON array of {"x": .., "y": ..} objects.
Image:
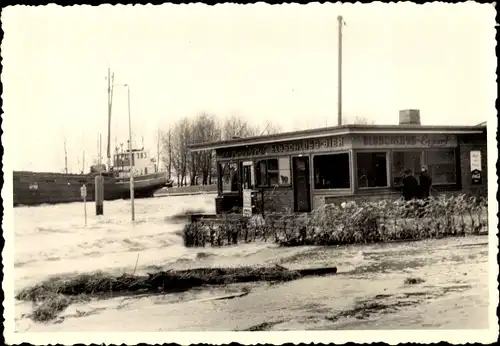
[{"x": 303, "y": 170}]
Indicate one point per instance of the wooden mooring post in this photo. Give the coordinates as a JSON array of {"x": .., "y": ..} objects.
[{"x": 99, "y": 195}]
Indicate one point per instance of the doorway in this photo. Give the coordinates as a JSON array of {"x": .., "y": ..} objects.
[{"x": 301, "y": 184}]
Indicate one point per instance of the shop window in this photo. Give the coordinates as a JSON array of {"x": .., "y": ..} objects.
[
  {"x": 372, "y": 169},
  {"x": 403, "y": 160},
  {"x": 228, "y": 172},
  {"x": 284, "y": 170},
  {"x": 272, "y": 172},
  {"x": 261, "y": 173},
  {"x": 441, "y": 165},
  {"x": 332, "y": 171}
]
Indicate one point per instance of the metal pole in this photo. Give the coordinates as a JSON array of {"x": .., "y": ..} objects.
[
  {"x": 131, "y": 156},
  {"x": 339, "y": 120},
  {"x": 85, "y": 204},
  {"x": 100, "y": 149},
  {"x": 110, "y": 102},
  {"x": 65, "y": 158},
  {"x": 158, "y": 152}
]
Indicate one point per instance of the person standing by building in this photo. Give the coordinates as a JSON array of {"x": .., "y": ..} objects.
[
  {"x": 425, "y": 183},
  {"x": 410, "y": 185}
]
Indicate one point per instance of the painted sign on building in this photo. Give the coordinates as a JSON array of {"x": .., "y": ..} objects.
[
  {"x": 475, "y": 167},
  {"x": 286, "y": 148},
  {"x": 410, "y": 141},
  {"x": 247, "y": 202}
]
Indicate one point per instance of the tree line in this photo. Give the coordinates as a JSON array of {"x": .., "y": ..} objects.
[{"x": 199, "y": 168}]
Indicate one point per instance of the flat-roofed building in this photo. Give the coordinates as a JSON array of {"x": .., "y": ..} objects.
[{"x": 302, "y": 170}]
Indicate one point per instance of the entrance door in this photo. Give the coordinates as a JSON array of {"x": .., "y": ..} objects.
[{"x": 301, "y": 185}]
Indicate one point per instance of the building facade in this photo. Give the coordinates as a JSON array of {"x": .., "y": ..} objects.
[{"x": 301, "y": 171}]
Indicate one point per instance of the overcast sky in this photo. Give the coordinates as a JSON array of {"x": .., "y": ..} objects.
[{"x": 262, "y": 62}]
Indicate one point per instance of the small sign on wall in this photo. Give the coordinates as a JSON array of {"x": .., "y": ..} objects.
[
  {"x": 247, "y": 202},
  {"x": 475, "y": 167}
]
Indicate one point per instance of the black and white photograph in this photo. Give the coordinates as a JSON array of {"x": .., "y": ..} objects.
[{"x": 250, "y": 173}]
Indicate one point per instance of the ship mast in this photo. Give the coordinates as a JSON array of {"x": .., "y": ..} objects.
[
  {"x": 65, "y": 158},
  {"x": 158, "y": 152},
  {"x": 111, "y": 78}
]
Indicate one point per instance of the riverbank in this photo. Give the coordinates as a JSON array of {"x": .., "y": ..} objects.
[
  {"x": 376, "y": 287},
  {"x": 368, "y": 291}
]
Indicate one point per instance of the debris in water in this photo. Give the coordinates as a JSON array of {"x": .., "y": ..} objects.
[
  {"x": 413, "y": 281},
  {"x": 55, "y": 294}
]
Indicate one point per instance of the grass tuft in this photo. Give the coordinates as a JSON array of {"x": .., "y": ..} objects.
[{"x": 49, "y": 308}]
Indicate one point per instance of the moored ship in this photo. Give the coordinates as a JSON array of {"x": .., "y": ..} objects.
[{"x": 35, "y": 188}]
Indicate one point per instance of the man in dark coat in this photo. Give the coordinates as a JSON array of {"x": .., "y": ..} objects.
[
  {"x": 425, "y": 183},
  {"x": 410, "y": 186}
]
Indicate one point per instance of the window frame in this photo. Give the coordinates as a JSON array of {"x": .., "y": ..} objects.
[
  {"x": 410, "y": 150},
  {"x": 268, "y": 183},
  {"x": 455, "y": 163},
  {"x": 289, "y": 168},
  {"x": 220, "y": 180},
  {"x": 351, "y": 183},
  {"x": 424, "y": 161},
  {"x": 388, "y": 167}
]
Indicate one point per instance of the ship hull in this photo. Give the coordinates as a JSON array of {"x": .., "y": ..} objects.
[{"x": 33, "y": 188}]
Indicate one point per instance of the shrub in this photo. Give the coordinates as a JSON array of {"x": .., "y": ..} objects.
[{"x": 351, "y": 222}]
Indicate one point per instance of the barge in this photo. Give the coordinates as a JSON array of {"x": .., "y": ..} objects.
[{"x": 35, "y": 188}]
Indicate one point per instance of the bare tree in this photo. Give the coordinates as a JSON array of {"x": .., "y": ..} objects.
[
  {"x": 358, "y": 121},
  {"x": 235, "y": 126},
  {"x": 180, "y": 155},
  {"x": 169, "y": 139},
  {"x": 204, "y": 129},
  {"x": 166, "y": 147}
]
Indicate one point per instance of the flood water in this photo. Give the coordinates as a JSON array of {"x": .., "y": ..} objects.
[{"x": 368, "y": 292}]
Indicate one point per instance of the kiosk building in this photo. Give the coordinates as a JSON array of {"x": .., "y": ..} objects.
[{"x": 303, "y": 170}]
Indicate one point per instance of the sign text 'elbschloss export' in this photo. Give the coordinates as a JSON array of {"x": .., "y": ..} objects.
[
  {"x": 300, "y": 146},
  {"x": 428, "y": 141}
]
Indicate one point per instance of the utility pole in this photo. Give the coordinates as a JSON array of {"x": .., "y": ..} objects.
[
  {"x": 65, "y": 158},
  {"x": 131, "y": 156},
  {"x": 169, "y": 153},
  {"x": 100, "y": 148},
  {"x": 158, "y": 152},
  {"x": 341, "y": 23},
  {"x": 111, "y": 78},
  {"x": 83, "y": 163}
]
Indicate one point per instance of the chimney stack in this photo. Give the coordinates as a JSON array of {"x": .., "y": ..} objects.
[{"x": 409, "y": 117}]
